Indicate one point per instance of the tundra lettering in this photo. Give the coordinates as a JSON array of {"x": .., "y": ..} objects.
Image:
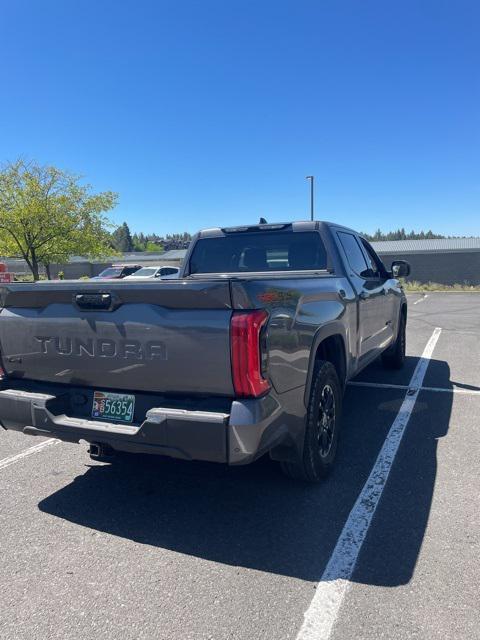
[{"x": 102, "y": 348}]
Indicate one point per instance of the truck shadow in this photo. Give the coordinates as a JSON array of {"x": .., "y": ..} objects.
[{"x": 254, "y": 517}]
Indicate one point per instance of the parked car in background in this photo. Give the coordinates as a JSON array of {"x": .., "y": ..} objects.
[
  {"x": 117, "y": 272},
  {"x": 155, "y": 272}
]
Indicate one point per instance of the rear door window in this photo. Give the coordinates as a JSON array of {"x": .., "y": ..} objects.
[
  {"x": 354, "y": 254},
  {"x": 373, "y": 261}
]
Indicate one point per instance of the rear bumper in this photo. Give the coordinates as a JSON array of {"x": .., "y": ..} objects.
[{"x": 239, "y": 437}]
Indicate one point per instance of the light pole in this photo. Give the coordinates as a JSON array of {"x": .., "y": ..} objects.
[{"x": 311, "y": 178}]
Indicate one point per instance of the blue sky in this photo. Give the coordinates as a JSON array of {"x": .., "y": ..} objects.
[{"x": 211, "y": 113}]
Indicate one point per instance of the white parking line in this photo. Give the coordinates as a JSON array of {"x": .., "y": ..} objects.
[
  {"x": 420, "y": 299},
  {"x": 377, "y": 385},
  {"x": 322, "y": 613},
  {"x": 6, "y": 462},
  {"x": 381, "y": 385},
  {"x": 465, "y": 392}
]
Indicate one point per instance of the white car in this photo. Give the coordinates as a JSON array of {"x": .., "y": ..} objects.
[{"x": 147, "y": 273}]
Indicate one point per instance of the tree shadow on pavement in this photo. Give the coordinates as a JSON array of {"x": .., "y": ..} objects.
[{"x": 254, "y": 517}]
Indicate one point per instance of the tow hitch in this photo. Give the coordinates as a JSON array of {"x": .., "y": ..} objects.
[{"x": 101, "y": 452}]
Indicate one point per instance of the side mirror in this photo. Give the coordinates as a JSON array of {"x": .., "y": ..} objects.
[{"x": 400, "y": 269}]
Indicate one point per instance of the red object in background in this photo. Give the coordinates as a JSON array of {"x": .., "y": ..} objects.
[{"x": 4, "y": 275}]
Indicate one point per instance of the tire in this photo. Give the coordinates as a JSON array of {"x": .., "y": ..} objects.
[
  {"x": 321, "y": 429},
  {"x": 394, "y": 356}
]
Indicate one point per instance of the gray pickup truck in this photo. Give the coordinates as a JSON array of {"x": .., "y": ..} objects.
[{"x": 247, "y": 353}]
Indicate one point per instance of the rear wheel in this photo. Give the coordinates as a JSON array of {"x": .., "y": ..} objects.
[
  {"x": 321, "y": 430},
  {"x": 394, "y": 356}
]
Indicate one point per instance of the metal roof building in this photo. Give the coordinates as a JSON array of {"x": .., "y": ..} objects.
[
  {"x": 174, "y": 254},
  {"x": 425, "y": 246},
  {"x": 445, "y": 260},
  {"x": 145, "y": 256}
]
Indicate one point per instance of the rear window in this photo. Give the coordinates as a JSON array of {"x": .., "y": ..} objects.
[
  {"x": 259, "y": 251},
  {"x": 110, "y": 272},
  {"x": 143, "y": 273}
]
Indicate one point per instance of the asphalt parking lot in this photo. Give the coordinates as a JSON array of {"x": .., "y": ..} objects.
[{"x": 170, "y": 550}]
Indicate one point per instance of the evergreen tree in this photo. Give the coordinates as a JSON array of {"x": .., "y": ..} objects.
[
  {"x": 401, "y": 234},
  {"x": 122, "y": 239}
]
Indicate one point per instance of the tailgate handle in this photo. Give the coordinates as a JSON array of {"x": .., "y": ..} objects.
[{"x": 93, "y": 301}]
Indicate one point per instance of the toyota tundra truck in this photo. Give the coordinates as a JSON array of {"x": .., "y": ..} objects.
[{"x": 248, "y": 352}]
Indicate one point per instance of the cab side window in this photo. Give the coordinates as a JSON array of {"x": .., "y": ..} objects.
[
  {"x": 354, "y": 253},
  {"x": 373, "y": 261}
]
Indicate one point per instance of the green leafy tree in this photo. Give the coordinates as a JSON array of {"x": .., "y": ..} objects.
[
  {"x": 139, "y": 242},
  {"x": 47, "y": 216},
  {"x": 153, "y": 247}
]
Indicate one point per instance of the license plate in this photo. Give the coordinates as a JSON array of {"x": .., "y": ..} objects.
[{"x": 113, "y": 406}]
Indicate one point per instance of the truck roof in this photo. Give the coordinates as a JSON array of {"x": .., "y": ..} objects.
[{"x": 300, "y": 225}]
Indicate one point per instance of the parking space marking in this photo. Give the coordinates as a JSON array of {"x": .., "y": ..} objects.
[
  {"x": 403, "y": 387},
  {"x": 466, "y": 392},
  {"x": 320, "y": 617},
  {"x": 420, "y": 299},
  {"x": 6, "y": 462},
  {"x": 377, "y": 385}
]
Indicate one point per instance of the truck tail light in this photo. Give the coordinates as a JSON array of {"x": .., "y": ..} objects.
[{"x": 248, "y": 353}]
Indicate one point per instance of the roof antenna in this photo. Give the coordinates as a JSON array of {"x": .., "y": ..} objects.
[{"x": 263, "y": 221}]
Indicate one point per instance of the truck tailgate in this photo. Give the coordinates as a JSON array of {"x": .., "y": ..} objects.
[{"x": 168, "y": 337}]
